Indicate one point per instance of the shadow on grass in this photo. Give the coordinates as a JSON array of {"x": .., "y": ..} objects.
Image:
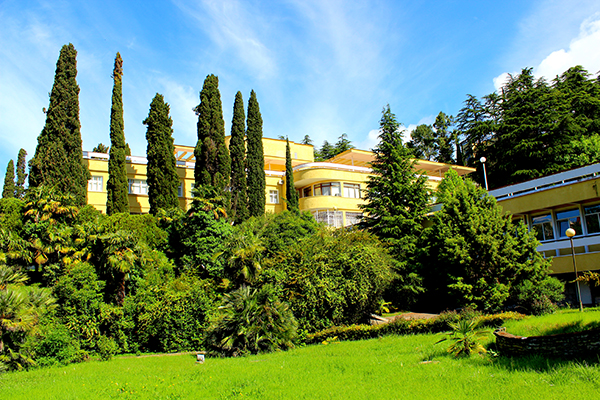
[{"x": 572, "y": 327}]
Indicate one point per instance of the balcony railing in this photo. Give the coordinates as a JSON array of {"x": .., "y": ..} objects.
[{"x": 547, "y": 182}]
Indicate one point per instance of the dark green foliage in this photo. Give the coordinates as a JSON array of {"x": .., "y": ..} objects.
[
  {"x": 58, "y": 159},
  {"x": 144, "y": 227},
  {"x": 397, "y": 196},
  {"x": 8, "y": 190},
  {"x": 101, "y": 148},
  {"x": 117, "y": 185},
  {"x": 237, "y": 152},
  {"x": 54, "y": 345},
  {"x": 194, "y": 238},
  {"x": 532, "y": 128},
  {"x": 79, "y": 296},
  {"x": 325, "y": 152},
  {"x": 163, "y": 180},
  {"x": 422, "y": 143},
  {"x": 307, "y": 140},
  {"x": 251, "y": 321},
  {"x": 538, "y": 297},
  {"x": 213, "y": 165},
  {"x": 291, "y": 195},
  {"x": 255, "y": 161},
  {"x": 443, "y": 137},
  {"x": 21, "y": 175},
  {"x": 331, "y": 278},
  {"x": 106, "y": 347},
  {"x": 282, "y": 230},
  {"x": 11, "y": 211},
  {"x": 473, "y": 255},
  {"x": 401, "y": 326},
  {"x": 174, "y": 316}
]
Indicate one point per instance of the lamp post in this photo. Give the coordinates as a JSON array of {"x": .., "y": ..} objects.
[
  {"x": 570, "y": 233},
  {"x": 483, "y": 160}
]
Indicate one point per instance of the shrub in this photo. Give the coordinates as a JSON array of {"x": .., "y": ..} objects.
[
  {"x": 465, "y": 337},
  {"x": 251, "y": 321},
  {"x": 106, "y": 348},
  {"x": 54, "y": 345}
]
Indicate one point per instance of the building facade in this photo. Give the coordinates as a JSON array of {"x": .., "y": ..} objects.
[
  {"x": 552, "y": 204},
  {"x": 330, "y": 190}
]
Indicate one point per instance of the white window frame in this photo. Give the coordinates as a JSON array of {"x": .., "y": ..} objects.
[
  {"x": 274, "y": 196},
  {"x": 351, "y": 190},
  {"x": 138, "y": 187},
  {"x": 96, "y": 184}
]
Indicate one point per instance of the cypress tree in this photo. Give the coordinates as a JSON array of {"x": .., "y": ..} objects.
[
  {"x": 291, "y": 195},
  {"x": 213, "y": 165},
  {"x": 237, "y": 151},
  {"x": 21, "y": 175},
  {"x": 162, "y": 172},
  {"x": 117, "y": 186},
  {"x": 255, "y": 159},
  {"x": 8, "y": 191},
  {"x": 58, "y": 159}
]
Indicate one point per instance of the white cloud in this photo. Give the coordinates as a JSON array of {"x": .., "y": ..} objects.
[
  {"x": 229, "y": 23},
  {"x": 583, "y": 50},
  {"x": 370, "y": 141}
]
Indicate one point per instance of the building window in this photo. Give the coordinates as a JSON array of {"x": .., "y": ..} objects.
[
  {"x": 138, "y": 186},
  {"x": 307, "y": 191},
  {"x": 568, "y": 219},
  {"x": 95, "y": 184},
  {"x": 542, "y": 226},
  {"x": 328, "y": 189},
  {"x": 330, "y": 218},
  {"x": 180, "y": 190},
  {"x": 352, "y": 190},
  {"x": 592, "y": 218},
  {"x": 274, "y": 196},
  {"x": 352, "y": 218}
]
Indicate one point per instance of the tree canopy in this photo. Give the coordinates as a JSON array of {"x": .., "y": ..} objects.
[
  {"x": 255, "y": 159},
  {"x": 58, "y": 159}
]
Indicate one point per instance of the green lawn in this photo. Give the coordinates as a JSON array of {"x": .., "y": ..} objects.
[
  {"x": 569, "y": 320},
  {"x": 408, "y": 367}
]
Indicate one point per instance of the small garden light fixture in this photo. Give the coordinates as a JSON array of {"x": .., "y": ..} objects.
[{"x": 570, "y": 233}]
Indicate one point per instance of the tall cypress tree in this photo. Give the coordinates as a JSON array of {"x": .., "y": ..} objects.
[
  {"x": 291, "y": 195},
  {"x": 162, "y": 172},
  {"x": 117, "y": 186},
  {"x": 255, "y": 159},
  {"x": 213, "y": 165},
  {"x": 8, "y": 191},
  {"x": 58, "y": 159},
  {"x": 237, "y": 151},
  {"x": 21, "y": 175}
]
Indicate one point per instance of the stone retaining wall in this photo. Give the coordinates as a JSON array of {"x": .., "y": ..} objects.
[{"x": 566, "y": 344}]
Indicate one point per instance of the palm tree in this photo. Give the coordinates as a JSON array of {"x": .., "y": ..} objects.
[
  {"x": 243, "y": 256},
  {"x": 252, "y": 321}
]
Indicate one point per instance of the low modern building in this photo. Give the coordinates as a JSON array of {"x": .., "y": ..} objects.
[
  {"x": 330, "y": 190},
  {"x": 552, "y": 204}
]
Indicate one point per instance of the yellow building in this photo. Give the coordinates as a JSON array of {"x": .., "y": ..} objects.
[
  {"x": 330, "y": 190},
  {"x": 552, "y": 204}
]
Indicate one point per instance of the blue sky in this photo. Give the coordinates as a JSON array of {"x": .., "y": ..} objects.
[{"x": 319, "y": 68}]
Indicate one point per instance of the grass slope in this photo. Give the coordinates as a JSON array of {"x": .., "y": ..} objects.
[{"x": 388, "y": 368}]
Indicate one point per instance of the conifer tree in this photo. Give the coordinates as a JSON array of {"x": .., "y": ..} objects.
[
  {"x": 397, "y": 196},
  {"x": 237, "y": 151},
  {"x": 58, "y": 159},
  {"x": 163, "y": 180},
  {"x": 117, "y": 186},
  {"x": 8, "y": 191},
  {"x": 213, "y": 165},
  {"x": 255, "y": 159},
  {"x": 21, "y": 175},
  {"x": 291, "y": 195}
]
